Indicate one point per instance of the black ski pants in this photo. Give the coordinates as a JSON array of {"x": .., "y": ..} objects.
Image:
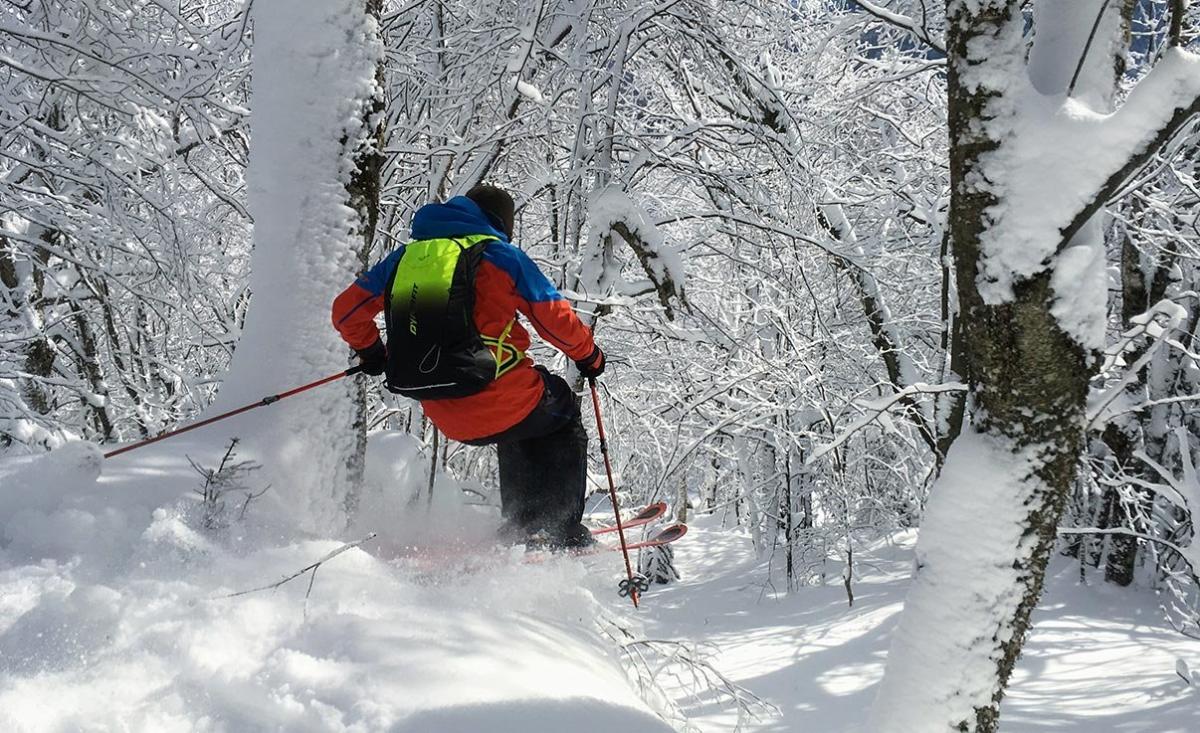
[{"x": 543, "y": 462}]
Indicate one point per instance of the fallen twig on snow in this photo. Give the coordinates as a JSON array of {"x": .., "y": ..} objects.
[{"x": 313, "y": 567}]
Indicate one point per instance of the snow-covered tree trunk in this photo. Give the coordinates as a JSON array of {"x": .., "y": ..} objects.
[
  {"x": 314, "y": 81},
  {"x": 363, "y": 192},
  {"x": 1030, "y": 169}
]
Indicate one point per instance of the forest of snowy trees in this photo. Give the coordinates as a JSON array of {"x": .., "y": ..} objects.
[{"x": 857, "y": 266}]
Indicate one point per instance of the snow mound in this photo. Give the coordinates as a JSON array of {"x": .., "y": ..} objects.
[
  {"x": 116, "y": 612},
  {"x": 42, "y": 480}
]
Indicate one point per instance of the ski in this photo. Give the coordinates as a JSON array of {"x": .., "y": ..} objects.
[
  {"x": 665, "y": 536},
  {"x": 645, "y": 516}
]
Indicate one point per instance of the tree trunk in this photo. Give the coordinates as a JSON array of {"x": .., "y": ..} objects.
[
  {"x": 313, "y": 94},
  {"x": 362, "y": 194},
  {"x": 1124, "y": 437},
  {"x": 991, "y": 521}
]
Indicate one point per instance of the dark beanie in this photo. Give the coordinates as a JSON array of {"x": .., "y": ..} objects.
[{"x": 497, "y": 204}]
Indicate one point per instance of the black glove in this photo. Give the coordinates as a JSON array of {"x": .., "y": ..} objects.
[
  {"x": 373, "y": 358},
  {"x": 593, "y": 365}
]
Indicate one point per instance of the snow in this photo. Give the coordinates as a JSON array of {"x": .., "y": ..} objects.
[
  {"x": 1080, "y": 283},
  {"x": 1061, "y": 31},
  {"x": 1099, "y": 659},
  {"x": 133, "y": 632},
  {"x": 125, "y": 606},
  {"x": 530, "y": 92},
  {"x": 835, "y": 214},
  {"x": 136, "y": 632},
  {"x": 1157, "y": 324},
  {"x": 877, "y": 411}
]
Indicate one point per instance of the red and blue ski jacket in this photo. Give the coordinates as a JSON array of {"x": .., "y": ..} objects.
[{"x": 507, "y": 282}]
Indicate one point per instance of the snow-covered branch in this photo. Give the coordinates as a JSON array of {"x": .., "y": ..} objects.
[
  {"x": 1156, "y": 111},
  {"x": 904, "y": 22},
  {"x": 877, "y": 412}
]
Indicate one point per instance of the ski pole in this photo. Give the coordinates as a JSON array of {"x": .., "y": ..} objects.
[
  {"x": 245, "y": 408},
  {"x": 630, "y": 584}
]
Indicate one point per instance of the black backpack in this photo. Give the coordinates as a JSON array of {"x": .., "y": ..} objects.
[{"x": 434, "y": 349}]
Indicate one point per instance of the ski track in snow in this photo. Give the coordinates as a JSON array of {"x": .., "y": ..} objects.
[{"x": 109, "y": 620}]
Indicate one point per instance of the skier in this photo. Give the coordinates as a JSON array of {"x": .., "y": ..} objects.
[{"x": 450, "y": 299}]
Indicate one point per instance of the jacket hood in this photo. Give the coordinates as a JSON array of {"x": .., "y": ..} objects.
[{"x": 458, "y": 217}]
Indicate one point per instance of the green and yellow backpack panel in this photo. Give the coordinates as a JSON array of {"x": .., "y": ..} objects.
[{"x": 435, "y": 350}]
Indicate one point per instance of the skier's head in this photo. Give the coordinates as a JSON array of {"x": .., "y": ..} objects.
[{"x": 497, "y": 204}]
